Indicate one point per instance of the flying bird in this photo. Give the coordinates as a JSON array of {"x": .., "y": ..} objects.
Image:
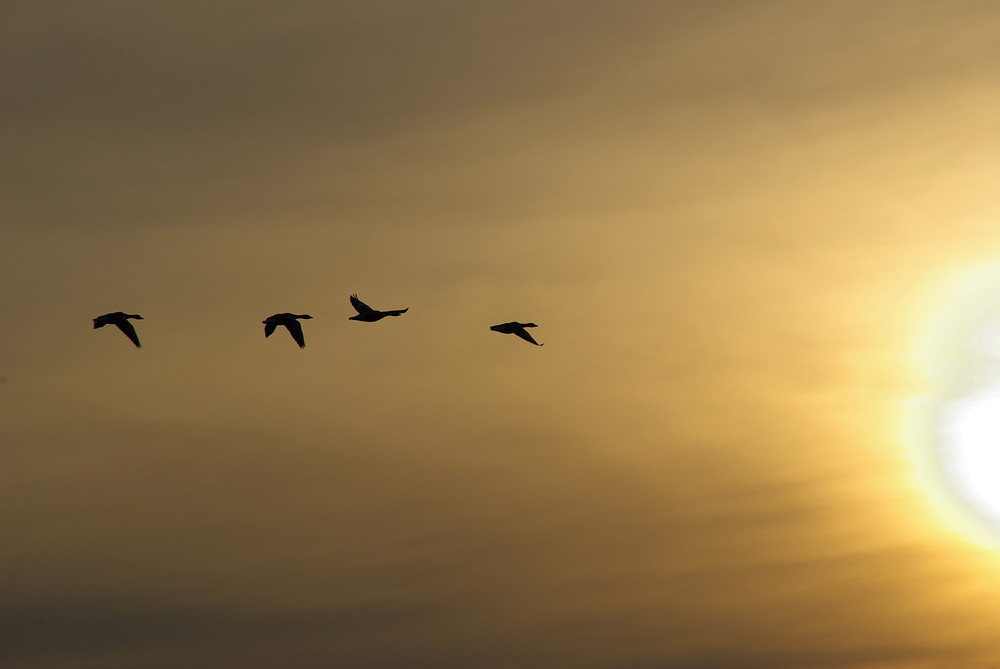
[
  {"x": 120, "y": 320},
  {"x": 516, "y": 328},
  {"x": 289, "y": 321},
  {"x": 369, "y": 315}
]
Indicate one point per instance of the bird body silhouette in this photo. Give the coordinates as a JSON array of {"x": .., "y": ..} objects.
[
  {"x": 516, "y": 328},
  {"x": 290, "y": 321},
  {"x": 369, "y": 315},
  {"x": 120, "y": 320}
]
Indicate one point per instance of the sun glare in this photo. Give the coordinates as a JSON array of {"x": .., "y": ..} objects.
[
  {"x": 970, "y": 450},
  {"x": 957, "y": 425}
]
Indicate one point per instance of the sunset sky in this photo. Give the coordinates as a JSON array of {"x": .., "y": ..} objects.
[{"x": 761, "y": 240}]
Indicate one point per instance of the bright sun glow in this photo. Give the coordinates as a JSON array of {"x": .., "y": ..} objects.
[
  {"x": 956, "y": 426},
  {"x": 970, "y": 452}
]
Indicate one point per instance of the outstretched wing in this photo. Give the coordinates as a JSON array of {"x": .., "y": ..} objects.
[
  {"x": 523, "y": 334},
  {"x": 360, "y": 306},
  {"x": 396, "y": 312},
  {"x": 269, "y": 328},
  {"x": 104, "y": 319},
  {"x": 296, "y": 331},
  {"x": 129, "y": 331}
]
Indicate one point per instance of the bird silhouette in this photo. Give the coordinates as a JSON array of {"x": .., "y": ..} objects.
[
  {"x": 369, "y": 315},
  {"x": 289, "y": 321},
  {"x": 516, "y": 328},
  {"x": 120, "y": 319}
]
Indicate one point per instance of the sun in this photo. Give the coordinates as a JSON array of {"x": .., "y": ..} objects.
[
  {"x": 969, "y": 450},
  {"x": 957, "y": 424}
]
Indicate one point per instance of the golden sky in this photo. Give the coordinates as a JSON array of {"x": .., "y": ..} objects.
[{"x": 742, "y": 227}]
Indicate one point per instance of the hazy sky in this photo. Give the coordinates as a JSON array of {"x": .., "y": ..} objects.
[{"x": 739, "y": 225}]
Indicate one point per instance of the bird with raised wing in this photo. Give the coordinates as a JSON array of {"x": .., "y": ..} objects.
[
  {"x": 516, "y": 328},
  {"x": 369, "y": 315},
  {"x": 290, "y": 321},
  {"x": 120, "y": 320}
]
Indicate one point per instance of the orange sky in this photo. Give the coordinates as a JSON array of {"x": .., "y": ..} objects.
[{"x": 736, "y": 223}]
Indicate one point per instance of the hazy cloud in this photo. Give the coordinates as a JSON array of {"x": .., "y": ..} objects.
[{"x": 728, "y": 219}]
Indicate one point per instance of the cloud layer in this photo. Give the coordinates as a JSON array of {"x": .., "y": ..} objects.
[{"x": 730, "y": 221}]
